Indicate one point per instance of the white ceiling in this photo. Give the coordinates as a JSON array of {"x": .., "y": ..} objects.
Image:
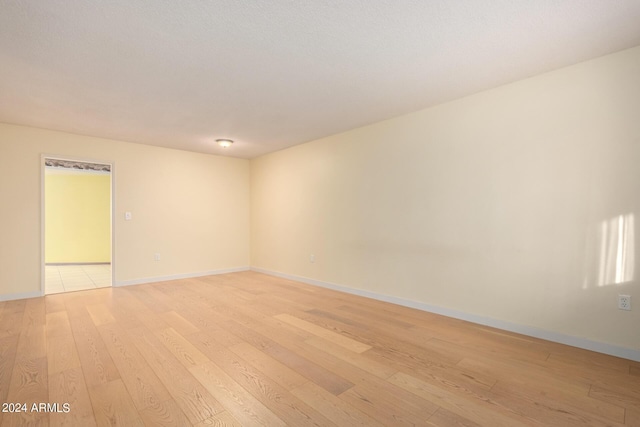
[{"x": 271, "y": 74}]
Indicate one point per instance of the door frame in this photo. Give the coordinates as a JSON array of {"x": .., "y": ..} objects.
[{"x": 111, "y": 163}]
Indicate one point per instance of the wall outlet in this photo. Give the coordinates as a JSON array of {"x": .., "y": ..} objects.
[
  {"x": 127, "y": 216},
  {"x": 156, "y": 257},
  {"x": 312, "y": 258},
  {"x": 624, "y": 302}
]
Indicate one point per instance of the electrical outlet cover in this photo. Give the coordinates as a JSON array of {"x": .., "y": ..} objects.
[{"x": 624, "y": 302}]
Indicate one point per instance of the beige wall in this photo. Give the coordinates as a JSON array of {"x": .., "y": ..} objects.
[
  {"x": 77, "y": 216},
  {"x": 191, "y": 208},
  {"x": 517, "y": 204},
  {"x": 493, "y": 205}
]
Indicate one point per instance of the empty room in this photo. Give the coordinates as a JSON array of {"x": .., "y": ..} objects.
[{"x": 320, "y": 213}]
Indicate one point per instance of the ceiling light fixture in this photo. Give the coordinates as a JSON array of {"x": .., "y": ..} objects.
[{"x": 224, "y": 143}]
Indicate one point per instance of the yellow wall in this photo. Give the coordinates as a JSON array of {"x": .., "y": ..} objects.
[
  {"x": 493, "y": 205},
  {"x": 77, "y": 217},
  {"x": 191, "y": 208}
]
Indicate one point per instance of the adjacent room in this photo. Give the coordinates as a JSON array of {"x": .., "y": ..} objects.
[
  {"x": 77, "y": 218},
  {"x": 375, "y": 213}
]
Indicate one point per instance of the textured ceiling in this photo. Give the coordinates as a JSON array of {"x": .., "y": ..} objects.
[{"x": 271, "y": 74}]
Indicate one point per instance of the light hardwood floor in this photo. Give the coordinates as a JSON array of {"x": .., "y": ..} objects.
[{"x": 250, "y": 349}]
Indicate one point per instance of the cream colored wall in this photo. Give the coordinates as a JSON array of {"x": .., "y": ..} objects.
[
  {"x": 191, "y": 208},
  {"x": 495, "y": 204},
  {"x": 77, "y": 217},
  {"x": 491, "y": 205}
]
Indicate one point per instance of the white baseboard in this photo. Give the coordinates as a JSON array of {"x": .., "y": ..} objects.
[
  {"x": 584, "y": 343},
  {"x": 22, "y": 295},
  {"x": 35, "y": 294},
  {"x": 177, "y": 276}
]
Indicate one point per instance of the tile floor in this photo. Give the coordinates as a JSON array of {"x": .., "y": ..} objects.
[{"x": 66, "y": 278}]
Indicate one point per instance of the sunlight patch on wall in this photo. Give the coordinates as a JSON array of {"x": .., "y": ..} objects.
[{"x": 617, "y": 250}]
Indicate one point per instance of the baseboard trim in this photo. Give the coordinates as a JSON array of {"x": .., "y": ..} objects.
[
  {"x": 584, "y": 343},
  {"x": 22, "y": 295},
  {"x": 76, "y": 263},
  {"x": 144, "y": 280}
]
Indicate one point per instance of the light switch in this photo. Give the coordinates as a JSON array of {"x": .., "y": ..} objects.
[{"x": 127, "y": 216}]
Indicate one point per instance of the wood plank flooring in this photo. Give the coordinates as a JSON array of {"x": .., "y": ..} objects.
[{"x": 247, "y": 349}]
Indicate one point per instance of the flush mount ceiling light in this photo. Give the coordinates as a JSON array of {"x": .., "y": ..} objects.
[{"x": 224, "y": 143}]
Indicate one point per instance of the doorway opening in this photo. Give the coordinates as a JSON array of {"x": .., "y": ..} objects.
[{"x": 77, "y": 225}]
